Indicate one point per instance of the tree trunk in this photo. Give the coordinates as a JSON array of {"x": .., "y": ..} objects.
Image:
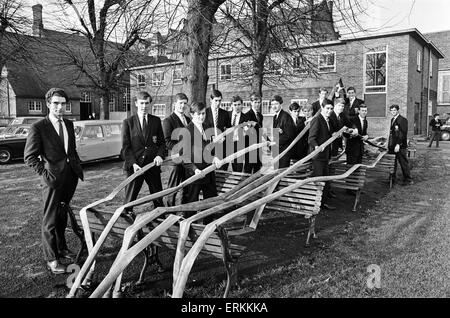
[
  {"x": 104, "y": 103},
  {"x": 261, "y": 44},
  {"x": 199, "y": 22}
]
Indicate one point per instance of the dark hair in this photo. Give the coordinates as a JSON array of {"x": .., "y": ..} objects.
[
  {"x": 277, "y": 98},
  {"x": 55, "y": 91},
  {"x": 196, "y": 107},
  {"x": 236, "y": 98},
  {"x": 435, "y": 115},
  {"x": 181, "y": 96},
  {"x": 323, "y": 89},
  {"x": 339, "y": 100},
  {"x": 215, "y": 93},
  {"x": 142, "y": 95},
  {"x": 351, "y": 88},
  {"x": 254, "y": 96},
  {"x": 362, "y": 105},
  {"x": 394, "y": 106},
  {"x": 294, "y": 106}
]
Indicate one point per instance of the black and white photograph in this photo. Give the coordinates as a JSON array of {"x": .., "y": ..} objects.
[{"x": 251, "y": 150}]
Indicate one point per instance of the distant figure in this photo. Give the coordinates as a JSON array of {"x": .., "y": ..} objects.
[
  {"x": 397, "y": 143},
  {"x": 435, "y": 130},
  {"x": 50, "y": 151},
  {"x": 92, "y": 116}
]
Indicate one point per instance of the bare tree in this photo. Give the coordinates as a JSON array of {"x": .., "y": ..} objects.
[{"x": 110, "y": 29}]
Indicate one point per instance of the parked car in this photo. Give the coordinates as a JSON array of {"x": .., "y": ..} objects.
[
  {"x": 11, "y": 148},
  {"x": 98, "y": 139},
  {"x": 4, "y": 122},
  {"x": 15, "y": 131},
  {"x": 445, "y": 131},
  {"x": 95, "y": 139},
  {"x": 24, "y": 120}
]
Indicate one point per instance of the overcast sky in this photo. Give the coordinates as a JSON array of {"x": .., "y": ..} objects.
[{"x": 424, "y": 15}]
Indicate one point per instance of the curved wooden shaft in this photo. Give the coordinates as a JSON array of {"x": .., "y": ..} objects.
[
  {"x": 126, "y": 257},
  {"x": 187, "y": 262}
]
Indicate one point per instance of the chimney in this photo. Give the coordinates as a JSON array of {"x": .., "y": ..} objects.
[{"x": 38, "y": 27}]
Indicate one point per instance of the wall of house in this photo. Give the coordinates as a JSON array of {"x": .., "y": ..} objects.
[{"x": 403, "y": 86}]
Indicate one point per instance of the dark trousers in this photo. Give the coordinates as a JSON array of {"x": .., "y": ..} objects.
[
  {"x": 284, "y": 161},
  {"x": 208, "y": 190},
  {"x": 153, "y": 179},
  {"x": 177, "y": 174},
  {"x": 435, "y": 135},
  {"x": 54, "y": 221},
  {"x": 401, "y": 157},
  {"x": 320, "y": 168}
]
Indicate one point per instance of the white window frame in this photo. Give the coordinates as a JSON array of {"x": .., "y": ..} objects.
[
  {"x": 265, "y": 107},
  {"x": 141, "y": 80},
  {"x": 298, "y": 70},
  {"x": 326, "y": 68},
  {"x": 156, "y": 80},
  {"x": 245, "y": 69},
  {"x": 226, "y": 106},
  {"x": 126, "y": 98},
  {"x": 68, "y": 107},
  {"x": 112, "y": 102},
  {"x": 86, "y": 97},
  {"x": 34, "y": 107},
  {"x": 275, "y": 71},
  {"x": 300, "y": 101},
  {"x": 377, "y": 89},
  {"x": 440, "y": 99},
  {"x": 225, "y": 76},
  {"x": 177, "y": 80},
  {"x": 419, "y": 61},
  {"x": 159, "y": 110}
]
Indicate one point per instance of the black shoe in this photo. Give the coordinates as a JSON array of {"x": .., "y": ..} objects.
[
  {"x": 55, "y": 267},
  {"x": 328, "y": 207},
  {"x": 67, "y": 254}
]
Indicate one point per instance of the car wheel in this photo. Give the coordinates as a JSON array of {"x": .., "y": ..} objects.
[
  {"x": 445, "y": 135},
  {"x": 5, "y": 155}
]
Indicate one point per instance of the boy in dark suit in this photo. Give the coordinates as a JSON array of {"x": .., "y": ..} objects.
[
  {"x": 143, "y": 143},
  {"x": 339, "y": 119},
  {"x": 51, "y": 151},
  {"x": 237, "y": 117},
  {"x": 200, "y": 157},
  {"x": 299, "y": 124},
  {"x": 170, "y": 124},
  {"x": 284, "y": 126},
  {"x": 321, "y": 101},
  {"x": 355, "y": 145},
  {"x": 253, "y": 159},
  {"x": 353, "y": 103},
  {"x": 398, "y": 143},
  {"x": 320, "y": 131}
]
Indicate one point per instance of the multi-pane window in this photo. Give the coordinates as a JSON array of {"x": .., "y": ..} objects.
[
  {"x": 159, "y": 109},
  {"x": 226, "y": 106},
  {"x": 35, "y": 106},
  {"x": 444, "y": 87},
  {"x": 265, "y": 107},
  {"x": 225, "y": 71},
  {"x": 157, "y": 78},
  {"x": 298, "y": 65},
  {"x": 126, "y": 100},
  {"x": 68, "y": 107},
  {"x": 274, "y": 66},
  {"x": 327, "y": 62},
  {"x": 112, "y": 102},
  {"x": 177, "y": 76},
  {"x": 141, "y": 80},
  {"x": 375, "y": 72},
  {"x": 245, "y": 69},
  {"x": 85, "y": 97}
]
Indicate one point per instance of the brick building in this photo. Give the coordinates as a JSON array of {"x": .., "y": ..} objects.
[
  {"x": 442, "y": 41},
  {"x": 391, "y": 68}
]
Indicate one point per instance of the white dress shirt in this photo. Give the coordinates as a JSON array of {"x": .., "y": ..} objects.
[
  {"x": 55, "y": 124},
  {"x": 141, "y": 120}
]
